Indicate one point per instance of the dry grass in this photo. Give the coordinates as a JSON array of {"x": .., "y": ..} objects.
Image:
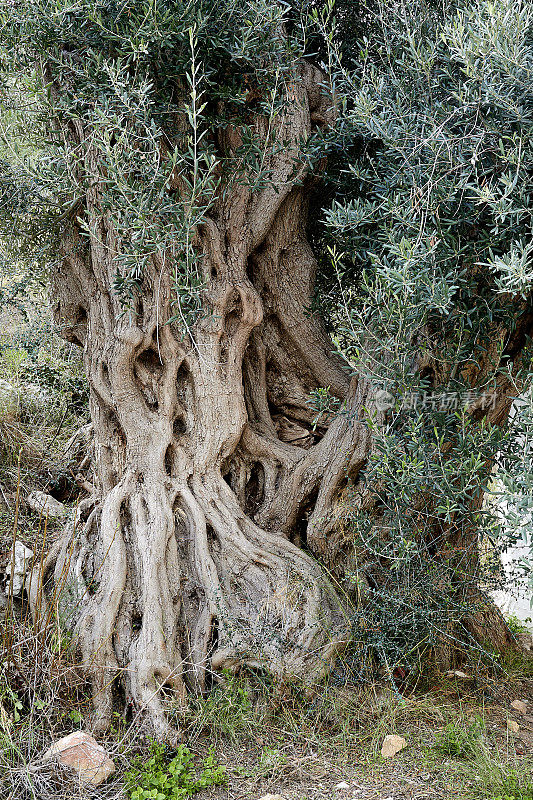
[{"x": 43, "y": 696}]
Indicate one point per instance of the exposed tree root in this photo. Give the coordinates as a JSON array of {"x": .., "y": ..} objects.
[{"x": 187, "y": 584}]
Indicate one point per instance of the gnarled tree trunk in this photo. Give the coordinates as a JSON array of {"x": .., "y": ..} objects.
[
  {"x": 209, "y": 469},
  {"x": 215, "y": 485}
]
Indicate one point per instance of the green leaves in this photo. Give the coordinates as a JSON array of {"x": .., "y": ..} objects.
[
  {"x": 128, "y": 96},
  {"x": 160, "y": 779},
  {"x": 514, "y": 269},
  {"x": 431, "y": 211}
]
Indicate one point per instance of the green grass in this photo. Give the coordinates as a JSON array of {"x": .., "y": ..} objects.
[
  {"x": 500, "y": 781},
  {"x": 516, "y": 625},
  {"x": 493, "y": 774},
  {"x": 460, "y": 739},
  {"x": 228, "y": 711}
]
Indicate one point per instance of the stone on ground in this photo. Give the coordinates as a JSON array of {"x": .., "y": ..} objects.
[
  {"x": 18, "y": 565},
  {"x": 82, "y": 753},
  {"x": 45, "y": 504},
  {"x": 513, "y": 726},
  {"x": 272, "y": 797},
  {"x": 520, "y": 706},
  {"x": 392, "y": 744}
]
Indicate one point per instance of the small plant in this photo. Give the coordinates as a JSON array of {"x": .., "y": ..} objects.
[
  {"x": 228, "y": 710},
  {"x": 271, "y": 762},
  {"x": 513, "y": 787},
  {"x": 518, "y": 663},
  {"x": 10, "y": 704},
  {"x": 160, "y": 779},
  {"x": 497, "y": 777},
  {"x": 459, "y": 740},
  {"x": 517, "y": 626}
]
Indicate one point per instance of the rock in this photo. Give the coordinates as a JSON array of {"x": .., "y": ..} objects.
[
  {"x": 520, "y": 706},
  {"x": 392, "y": 744},
  {"x": 272, "y": 797},
  {"x": 456, "y": 673},
  {"x": 17, "y": 567},
  {"x": 342, "y": 785},
  {"x": 45, "y": 504},
  {"x": 84, "y": 755},
  {"x": 513, "y": 726}
]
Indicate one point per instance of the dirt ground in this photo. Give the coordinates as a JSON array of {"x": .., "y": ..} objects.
[{"x": 309, "y": 772}]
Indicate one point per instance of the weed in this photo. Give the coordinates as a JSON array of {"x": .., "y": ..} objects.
[
  {"x": 497, "y": 776},
  {"x": 10, "y": 704},
  {"x": 42, "y": 403},
  {"x": 160, "y": 779},
  {"x": 509, "y": 783},
  {"x": 228, "y": 710},
  {"x": 271, "y": 762},
  {"x": 516, "y": 625},
  {"x": 518, "y": 664},
  {"x": 460, "y": 740}
]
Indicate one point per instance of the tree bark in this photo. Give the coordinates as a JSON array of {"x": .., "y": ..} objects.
[{"x": 186, "y": 558}]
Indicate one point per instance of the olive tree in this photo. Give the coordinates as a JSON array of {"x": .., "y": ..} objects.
[{"x": 200, "y": 163}]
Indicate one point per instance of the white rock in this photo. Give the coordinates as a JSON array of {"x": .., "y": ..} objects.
[
  {"x": 520, "y": 706},
  {"x": 82, "y": 753},
  {"x": 45, "y": 504},
  {"x": 272, "y": 797},
  {"x": 392, "y": 744},
  {"x": 342, "y": 785},
  {"x": 17, "y": 567},
  {"x": 457, "y": 673}
]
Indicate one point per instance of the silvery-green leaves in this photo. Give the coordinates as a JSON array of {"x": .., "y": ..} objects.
[{"x": 514, "y": 269}]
